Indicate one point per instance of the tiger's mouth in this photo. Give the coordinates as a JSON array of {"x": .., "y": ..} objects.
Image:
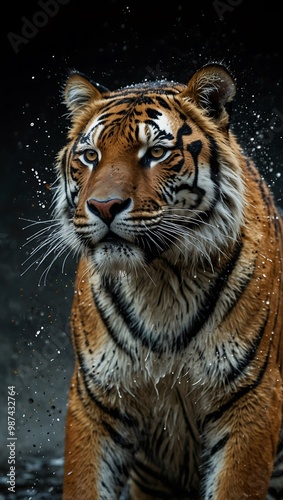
[
  {"x": 114, "y": 247},
  {"x": 113, "y": 238}
]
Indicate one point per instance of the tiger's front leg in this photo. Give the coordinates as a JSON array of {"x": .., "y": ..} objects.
[
  {"x": 97, "y": 455},
  {"x": 240, "y": 440}
]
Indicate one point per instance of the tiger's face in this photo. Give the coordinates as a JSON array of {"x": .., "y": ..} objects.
[{"x": 149, "y": 172}]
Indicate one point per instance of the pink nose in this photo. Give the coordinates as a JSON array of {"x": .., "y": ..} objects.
[{"x": 107, "y": 210}]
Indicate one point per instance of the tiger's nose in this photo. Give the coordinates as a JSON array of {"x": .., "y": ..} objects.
[{"x": 107, "y": 210}]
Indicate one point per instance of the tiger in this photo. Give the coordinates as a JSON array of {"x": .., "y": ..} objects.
[{"x": 177, "y": 313}]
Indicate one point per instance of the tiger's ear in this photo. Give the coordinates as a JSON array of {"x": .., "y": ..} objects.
[
  {"x": 213, "y": 88},
  {"x": 79, "y": 92}
]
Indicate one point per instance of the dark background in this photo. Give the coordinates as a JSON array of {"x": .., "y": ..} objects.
[{"x": 115, "y": 43}]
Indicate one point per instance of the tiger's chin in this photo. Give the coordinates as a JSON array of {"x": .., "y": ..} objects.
[{"x": 112, "y": 259}]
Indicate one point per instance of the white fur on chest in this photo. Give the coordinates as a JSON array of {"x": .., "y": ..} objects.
[{"x": 145, "y": 317}]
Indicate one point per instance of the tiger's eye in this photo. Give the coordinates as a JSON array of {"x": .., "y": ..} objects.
[
  {"x": 90, "y": 155},
  {"x": 157, "y": 152}
]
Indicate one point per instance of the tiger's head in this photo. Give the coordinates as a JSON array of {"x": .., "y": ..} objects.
[{"x": 150, "y": 171}]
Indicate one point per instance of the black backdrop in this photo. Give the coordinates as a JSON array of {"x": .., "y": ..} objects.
[{"x": 116, "y": 43}]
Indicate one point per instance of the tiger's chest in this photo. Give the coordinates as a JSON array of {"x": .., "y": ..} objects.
[{"x": 143, "y": 331}]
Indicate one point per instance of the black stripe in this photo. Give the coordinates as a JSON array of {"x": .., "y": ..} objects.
[
  {"x": 210, "y": 302},
  {"x": 122, "y": 98},
  {"x": 181, "y": 340},
  {"x": 142, "y": 470},
  {"x": 215, "y": 178},
  {"x": 164, "y": 104},
  {"x": 249, "y": 356},
  {"x": 240, "y": 290},
  {"x": 277, "y": 474},
  {"x": 154, "y": 493},
  {"x": 127, "y": 313},
  {"x": 153, "y": 113},
  {"x": 119, "y": 472},
  {"x": 177, "y": 167},
  {"x": 207, "y": 465},
  {"x": 219, "y": 445},
  {"x": 108, "y": 322},
  {"x": 65, "y": 163},
  {"x": 117, "y": 438},
  {"x": 114, "y": 413},
  {"x": 212, "y": 417},
  {"x": 185, "y": 129},
  {"x": 277, "y": 494},
  {"x": 195, "y": 148},
  {"x": 214, "y": 163},
  {"x": 146, "y": 469},
  {"x": 155, "y": 126},
  {"x": 88, "y": 380}
]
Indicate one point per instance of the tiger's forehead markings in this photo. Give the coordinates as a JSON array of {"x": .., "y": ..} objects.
[
  {"x": 155, "y": 128},
  {"x": 153, "y": 132},
  {"x": 91, "y": 135},
  {"x": 151, "y": 127}
]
